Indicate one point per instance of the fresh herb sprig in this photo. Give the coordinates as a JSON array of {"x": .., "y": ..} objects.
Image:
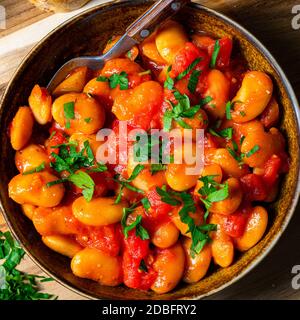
[
  {"x": 182, "y": 109},
  {"x": 140, "y": 231},
  {"x": 69, "y": 159},
  {"x": 14, "y": 284},
  {"x": 211, "y": 192},
  {"x": 199, "y": 233}
]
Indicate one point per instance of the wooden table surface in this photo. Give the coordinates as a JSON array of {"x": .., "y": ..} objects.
[{"x": 270, "y": 22}]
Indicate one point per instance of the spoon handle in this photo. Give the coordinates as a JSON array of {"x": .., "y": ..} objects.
[{"x": 158, "y": 13}]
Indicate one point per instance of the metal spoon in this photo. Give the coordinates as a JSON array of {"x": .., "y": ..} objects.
[{"x": 140, "y": 29}]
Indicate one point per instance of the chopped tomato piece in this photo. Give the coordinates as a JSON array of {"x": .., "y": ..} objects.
[
  {"x": 272, "y": 170},
  {"x": 106, "y": 238},
  {"x": 234, "y": 225},
  {"x": 137, "y": 250},
  {"x": 157, "y": 205},
  {"x": 224, "y": 55},
  {"x": 186, "y": 56},
  {"x": 57, "y": 138},
  {"x": 254, "y": 187}
]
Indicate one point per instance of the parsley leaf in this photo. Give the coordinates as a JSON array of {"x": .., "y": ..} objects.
[
  {"x": 146, "y": 204},
  {"x": 181, "y": 110},
  {"x": 193, "y": 81},
  {"x": 215, "y": 54},
  {"x": 252, "y": 151},
  {"x": 140, "y": 231},
  {"x": 83, "y": 181},
  {"x": 115, "y": 80},
  {"x": 39, "y": 168},
  {"x": 119, "y": 79},
  {"x": 69, "y": 113},
  {"x": 157, "y": 167},
  {"x": 168, "y": 197},
  {"x": 169, "y": 83},
  {"x": 189, "y": 69},
  {"x": 211, "y": 191},
  {"x": 199, "y": 233},
  {"x": 225, "y": 133},
  {"x": 69, "y": 110},
  {"x": 228, "y": 108},
  {"x": 205, "y": 101}
]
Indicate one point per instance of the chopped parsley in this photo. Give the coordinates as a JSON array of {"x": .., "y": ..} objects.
[
  {"x": 146, "y": 204},
  {"x": 68, "y": 159},
  {"x": 181, "y": 110},
  {"x": 152, "y": 149},
  {"x": 83, "y": 181},
  {"x": 211, "y": 192},
  {"x": 129, "y": 54},
  {"x": 39, "y": 168},
  {"x": 188, "y": 69},
  {"x": 169, "y": 83},
  {"x": 69, "y": 113},
  {"x": 215, "y": 54},
  {"x": 140, "y": 231},
  {"x": 228, "y": 108},
  {"x": 14, "y": 284},
  {"x": 115, "y": 80},
  {"x": 252, "y": 151},
  {"x": 225, "y": 133},
  {"x": 199, "y": 233},
  {"x": 193, "y": 81},
  {"x": 205, "y": 101}
]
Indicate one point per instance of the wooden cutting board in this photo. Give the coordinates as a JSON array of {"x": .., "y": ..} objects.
[{"x": 271, "y": 23}]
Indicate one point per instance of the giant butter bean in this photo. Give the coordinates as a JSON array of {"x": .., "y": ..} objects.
[
  {"x": 196, "y": 265},
  {"x": 165, "y": 236},
  {"x": 32, "y": 189},
  {"x": 62, "y": 244},
  {"x": 169, "y": 265},
  {"x": 30, "y": 157},
  {"x": 21, "y": 128},
  {"x": 222, "y": 246},
  {"x": 255, "y": 229},
  {"x": 73, "y": 83},
  {"x": 54, "y": 221},
  {"x": 253, "y": 96},
  {"x": 96, "y": 265},
  {"x": 40, "y": 103},
  {"x": 169, "y": 40},
  {"x": 218, "y": 89},
  {"x": 85, "y": 107},
  {"x": 229, "y": 165},
  {"x": 98, "y": 212},
  {"x": 232, "y": 202}
]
